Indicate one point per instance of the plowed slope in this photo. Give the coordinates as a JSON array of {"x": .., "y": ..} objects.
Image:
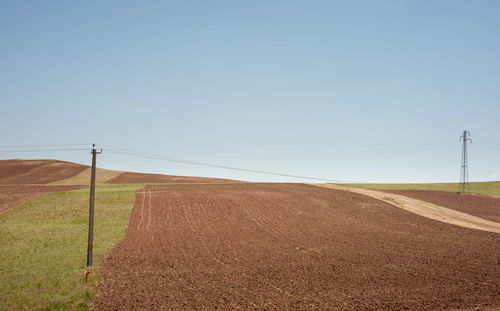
[
  {"x": 21, "y": 172},
  {"x": 54, "y": 172},
  {"x": 483, "y": 206},
  {"x": 143, "y": 178},
  {"x": 292, "y": 247}
]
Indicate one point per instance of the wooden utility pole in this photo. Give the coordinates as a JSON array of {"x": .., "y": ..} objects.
[{"x": 90, "y": 244}]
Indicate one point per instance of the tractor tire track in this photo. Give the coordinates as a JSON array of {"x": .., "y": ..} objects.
[{"x": 142, "y": 204}]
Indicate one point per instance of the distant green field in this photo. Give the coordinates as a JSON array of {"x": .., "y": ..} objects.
[
  {"x": 43, "y": 247},
  {"x": 488, "y": 188}
]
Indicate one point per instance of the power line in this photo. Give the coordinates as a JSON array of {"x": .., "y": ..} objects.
[
  {"x": 487, "y": 139},
  {"x": 400, "y": 144},
  {"x": 42, "y": 150},
  {"x": 170, "y": 159},
  {"x": 383, "y": 151},
  {"x": 229, "y": 168},
  {"x": 179, "y": 160},
  {"x": 336, "y": 154},
  {"x": 55, "y": 145},
  {"x": 410, "y": 147},
  {"x": 332, "y": 150},
  {"x": 184, "y": 161},
  {"x": 486, "y": 146}
]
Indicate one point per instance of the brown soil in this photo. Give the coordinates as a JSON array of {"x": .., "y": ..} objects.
[
  {"x": 40, "y": 172},
  {"x": 21, "y": 172},
  {"x": 12, "y": 196},
  {"x": 292, "y": 247},
  {"x": 142, "y": 178},
  {"x": 426, "y": 209},
  {"x": 483, "y": 206}
]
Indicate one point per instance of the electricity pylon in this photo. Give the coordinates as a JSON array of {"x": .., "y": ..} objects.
[{"x": 464, "y": 169}]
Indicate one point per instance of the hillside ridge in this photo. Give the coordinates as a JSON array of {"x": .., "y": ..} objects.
[{"x": 57, "y": 172}]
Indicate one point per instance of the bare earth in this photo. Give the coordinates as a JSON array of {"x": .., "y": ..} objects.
[
  {"x": 426, "y": 209},
  {"x": 12, "y": 196},
  {"x": 482, "y": 206},
  {"x": 54, "y": 172},
  {"x": 23, "y": 172},
  {"x": 292, "y": 247},
  {"x": 142, "y": 178}
]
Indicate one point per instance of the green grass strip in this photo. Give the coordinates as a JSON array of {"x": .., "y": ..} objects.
[
  {"x": 487, "y": 188},
  {"x": 43, "y": 247}
]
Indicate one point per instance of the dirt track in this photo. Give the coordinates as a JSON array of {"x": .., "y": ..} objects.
[
  {"x": 483, "y": 206},
  {"x": 425, "y": 209},
  {"x": 292, "y": 246},
  {"x": 12, "y": 196}
]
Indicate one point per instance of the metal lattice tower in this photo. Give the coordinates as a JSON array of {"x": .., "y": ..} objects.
[{"x": 464, "y": 169}]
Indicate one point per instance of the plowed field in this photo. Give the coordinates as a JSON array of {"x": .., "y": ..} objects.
[
  {"x": 142, "y": 178},
  {"x": 14, "y": 172},
  {"x": 292, "y": 247},
  {"x": 483, "y": 206},
  {"x": 11, "y": 196},
  {"x": 54, "y": 172}
]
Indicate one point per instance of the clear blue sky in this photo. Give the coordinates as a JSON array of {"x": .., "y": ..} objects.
[{"x": 373, "y": 91}]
